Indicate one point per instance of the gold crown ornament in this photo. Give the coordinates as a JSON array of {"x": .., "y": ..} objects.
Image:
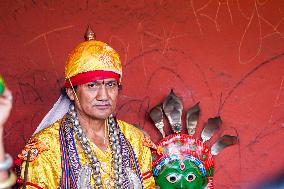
[{"x": 91, "y": 56}]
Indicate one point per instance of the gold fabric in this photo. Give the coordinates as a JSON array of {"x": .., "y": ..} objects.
[
  {"x": 90, "y": 56},
  {"x": 45, "y": 170}
]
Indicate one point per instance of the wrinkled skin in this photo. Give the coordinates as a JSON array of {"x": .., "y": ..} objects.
[
  {"x": 96, "y": 100},
  {"x": 171, "y": 176}
]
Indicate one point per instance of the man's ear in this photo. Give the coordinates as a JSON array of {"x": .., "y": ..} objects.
[
  {"x": 119, "y": 87},
  {"x": 70, "y": 93}
]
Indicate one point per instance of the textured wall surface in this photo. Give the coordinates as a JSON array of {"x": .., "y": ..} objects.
[{"x": 229, "y": 55}]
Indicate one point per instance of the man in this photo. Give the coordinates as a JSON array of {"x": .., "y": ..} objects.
[{"x": 80, "y": 144}]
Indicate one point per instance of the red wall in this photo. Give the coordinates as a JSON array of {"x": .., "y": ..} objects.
[{"x": 229, "y": 55}]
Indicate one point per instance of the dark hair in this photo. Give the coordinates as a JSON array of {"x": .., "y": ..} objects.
[{"x": 63, "y": 90}]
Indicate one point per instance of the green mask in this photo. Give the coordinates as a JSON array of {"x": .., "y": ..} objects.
[
  {"x": 177, "y": 174},
  {"x": 181, "y": 160}
]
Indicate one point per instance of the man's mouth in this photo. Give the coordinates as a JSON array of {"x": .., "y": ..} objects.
[{"x": 102, "y": 106}]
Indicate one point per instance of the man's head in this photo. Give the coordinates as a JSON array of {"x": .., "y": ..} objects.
[
  {"x": 92, "y": 77},
  {"x": 95, "y": 99}
]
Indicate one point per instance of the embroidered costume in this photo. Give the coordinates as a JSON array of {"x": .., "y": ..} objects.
[{"x": 47, "y": 163}]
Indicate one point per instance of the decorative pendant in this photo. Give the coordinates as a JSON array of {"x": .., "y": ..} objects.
[
  {"x": 133, "y": 179},
  {"x": 84, "y": 178},
  {"x": 182, "y": 166}
]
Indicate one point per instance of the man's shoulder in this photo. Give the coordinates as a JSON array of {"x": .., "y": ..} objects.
[
  {"x": 129, "y": 129},
  {"x": 42, "y": 142},
  {"x": 49, "y": 131},
  {"x": 134, "y": 133}
]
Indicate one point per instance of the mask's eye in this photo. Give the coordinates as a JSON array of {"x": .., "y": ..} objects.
[
  {"x": 172, "y": 178},
  {"x": 190, "y": 177}
]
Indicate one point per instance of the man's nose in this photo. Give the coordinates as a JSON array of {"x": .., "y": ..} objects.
[{"x": 102, "y": 93}]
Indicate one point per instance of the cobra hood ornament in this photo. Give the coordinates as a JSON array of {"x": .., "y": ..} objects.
[{"x": 182, "y": 160}]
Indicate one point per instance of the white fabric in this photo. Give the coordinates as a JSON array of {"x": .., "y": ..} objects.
[{"x": 59, "y": 109}]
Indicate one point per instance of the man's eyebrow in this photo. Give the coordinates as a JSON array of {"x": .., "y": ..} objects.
[{"x": 111, "y": 81}]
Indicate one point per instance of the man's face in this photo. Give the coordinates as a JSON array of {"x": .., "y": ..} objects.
[{"x": 97, "y": 100}]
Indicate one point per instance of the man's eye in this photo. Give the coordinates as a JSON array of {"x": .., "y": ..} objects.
[
  {"x": 91, "y": 85},
  {"x": 172, "y": 178},
  {"x": 112, "y": 84}
]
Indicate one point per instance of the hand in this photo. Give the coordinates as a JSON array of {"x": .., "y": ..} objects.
[{"x": 6, "y": 100}]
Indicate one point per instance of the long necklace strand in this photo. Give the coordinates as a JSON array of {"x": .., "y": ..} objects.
[{"x": 115, "y": 146}]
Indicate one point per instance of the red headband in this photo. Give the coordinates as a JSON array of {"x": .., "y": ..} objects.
[{"x": 90, "y": 76}]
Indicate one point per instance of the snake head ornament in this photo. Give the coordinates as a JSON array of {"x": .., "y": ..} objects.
[{"x": 182, "y": 160}]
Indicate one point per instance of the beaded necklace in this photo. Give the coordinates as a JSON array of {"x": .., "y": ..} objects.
[{"x": 91, "y": 155}]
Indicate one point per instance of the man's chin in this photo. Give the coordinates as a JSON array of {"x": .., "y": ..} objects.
[{"x": 101, "y": 116}]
